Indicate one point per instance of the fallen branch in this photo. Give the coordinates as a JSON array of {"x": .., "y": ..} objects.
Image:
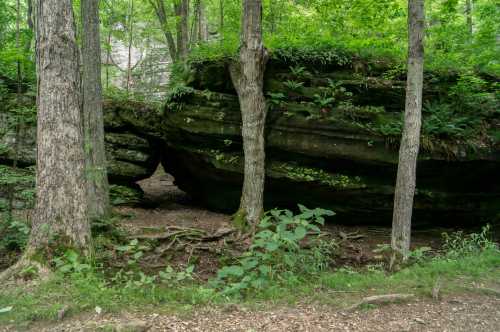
[{"x": 382, "y": 299}]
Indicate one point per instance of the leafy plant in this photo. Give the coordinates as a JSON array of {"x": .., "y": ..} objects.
[
  {"x": 323, "y": 101},
  {"x": 169, "y": 275},
  {"x": 13, "y": 234},
  {"x": 133, "y": 251},
  {"x": 299, "y": 72},
  {"x": 293, "y": 85},
  {"x": 277, "y": 253},
  {"x": 124, "y": 195},
  {"x": 459, "y": 244},
  {"x": 70, "y": 262},
  {"x": 276, "y": 99}
]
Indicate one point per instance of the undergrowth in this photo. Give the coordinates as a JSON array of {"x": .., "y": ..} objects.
[{"x": 289, "y": 260}]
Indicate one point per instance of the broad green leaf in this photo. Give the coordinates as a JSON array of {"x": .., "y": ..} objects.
[
  {"x": 300, "y": 232},
  {"x": 272, "y": 246}
]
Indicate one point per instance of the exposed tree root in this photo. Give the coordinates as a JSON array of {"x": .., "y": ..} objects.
[
  {"x": 25, "y": 269},
  {"x": 382, "y": 299}
]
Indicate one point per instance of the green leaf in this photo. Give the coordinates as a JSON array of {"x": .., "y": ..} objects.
[
  {"x": 265, "y": 269},
  {"x": 265, "y": 222},
  {"x": 249, "y": 263},
  {"x": 300, "y": 232},
  {"x": 233, "y": 270},
  {"x": 71, "y": 256},
  {"x": 302, "y": 208},
  {"x": 271, "y": 246}
]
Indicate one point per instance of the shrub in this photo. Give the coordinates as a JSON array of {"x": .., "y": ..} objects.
[{"x": 278, "y": 251}]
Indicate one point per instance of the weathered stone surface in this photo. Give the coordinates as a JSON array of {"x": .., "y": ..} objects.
[
  {"x": 131, "y": 146},
  {"x": 339, "y": 154},
  {"x": 336, "y": 158}
]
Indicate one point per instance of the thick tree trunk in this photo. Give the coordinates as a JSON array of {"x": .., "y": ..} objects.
[
  {"x": 93, "y": 125},
  {"x": 248, "y": 78},
  {"x": 61, "y": 217},
  {"x": 410, "y": 141}
]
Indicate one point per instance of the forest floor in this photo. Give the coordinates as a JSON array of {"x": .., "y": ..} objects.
[
  {"x": 471, "y": 312},
  {"x": 172, "y": 207},
  {"x": 466, "y": 304}
]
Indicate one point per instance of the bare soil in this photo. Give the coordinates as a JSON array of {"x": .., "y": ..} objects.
[
  {"x": 172, "y": 207},
  {"x": 466, "y": 313}
]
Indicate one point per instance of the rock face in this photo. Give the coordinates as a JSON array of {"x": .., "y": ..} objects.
[
  {"x": 332, "y": 138},
  {"x": 331, "y": 141},
  {"x": 133, "y": 153}
]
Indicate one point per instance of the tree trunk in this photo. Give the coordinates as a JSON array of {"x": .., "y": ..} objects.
[
  {"x": 272, "y": 15},
  {"x": 182, "y": 12},
  {"x": 408, "y": 151},
  {"x": 93, "y": 125},
  {"x": 11, "y": 187},
  {"x": 130, "y": 35},
  {"x": 194, "y": 34},
  {"x": 221, "y": 19},
  {"x": 29, "y": 22},
  {"x": 248, "y": 78},
  {"x": 468, "y": 14},
  {"x": 18, "y": 47},
  {"x": 108, "y": 58},
  {"x": 61, "y": 218},
  {"x": 161, "y": 13},
  {"x": 202, "y": 22}
]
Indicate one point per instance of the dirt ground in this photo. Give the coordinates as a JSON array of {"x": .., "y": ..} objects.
[
  {"x": 172, "y": 207},
  {"x": 459, "y": 313}
]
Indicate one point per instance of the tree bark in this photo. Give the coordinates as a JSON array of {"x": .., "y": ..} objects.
[
  {"x": 410, "y": 141},
  {"x": 18, "y": 47},
  {"x": 93, "y": 124},
  {"x": 161, "y": 14},
  {"x": 61, "y": 217},
  {"x": 108, "y": 57},
  {"x": 248, "y": 78},
  {"x": 195, "y": 26},
  {"x": 221, "y": 19},
  {"x": 182, "y": 12},
  {"x": 468, "y": 14},
  {"x": 130, "y": 36},
  {"x": 29, "y": 22},
  {"x": 202, "y": 22}
]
